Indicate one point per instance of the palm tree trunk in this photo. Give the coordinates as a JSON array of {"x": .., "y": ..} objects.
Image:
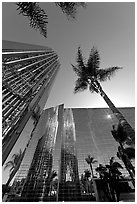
[
  {"x": 91, "y": 170},
  {"x": 128, "y": 129}
]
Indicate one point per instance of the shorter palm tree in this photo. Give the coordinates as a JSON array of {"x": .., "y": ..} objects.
[
  {"x": 91, "y": 160},
  {"x": 110, "y": 175},
  {"x": 115, "y": 175},
  {"x": 113, "y": 168},
  {"x": 14, "y": 164}
]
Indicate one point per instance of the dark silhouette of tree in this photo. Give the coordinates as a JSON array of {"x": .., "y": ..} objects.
[
  {"x": 91, "y": 160},
  {"x": 70, "y": 8},
  {"x": 125, "y": 154},
  {"x": 14, "y": 165},
  {"x": 110, "y": 176},
  {"x": 37, "y": 16},
  {"x": 89, "y": 77},
  {"x": 39, "y": 19},
  {"x": 115, "y": 175},
  {"x": 130, "y": 151}
]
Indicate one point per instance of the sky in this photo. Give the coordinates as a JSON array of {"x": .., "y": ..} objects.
[{"x": 108, "y": 26}]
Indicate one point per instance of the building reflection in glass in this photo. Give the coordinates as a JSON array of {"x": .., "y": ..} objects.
[
  {"x": 37, "y": 185},
  {"x": 69, "y": 188}
]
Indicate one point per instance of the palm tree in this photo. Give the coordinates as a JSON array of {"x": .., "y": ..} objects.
[
  {"x": 125, "y": 154},
  {"x": 113, "y": 168},
  {"x": 70, "y": 8},
  {"x": 110, "y": 175},
  {"x": 37, "y": 16},
  {"x": 115, "y": 174},
  {"x": 14, "y": 164},
  {"x": 90, "y": 75},
  {"x": 90, "y": 160}
]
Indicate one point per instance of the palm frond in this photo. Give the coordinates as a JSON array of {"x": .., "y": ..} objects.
[
  {"x": 80, "y": 59},
  {"x": 93, "y": 62},
  {"x": 36, "y": 15},
  {"x": 117, "y": 165},
  {"x": 81, "y": 85},
  {"x": 70, "y": 8},
  {"x": 104, "y": 74},
  {"x": 77, "y": 70},
  {"x": 94, "y": 161},
  {"x": 90, "y": 159}
]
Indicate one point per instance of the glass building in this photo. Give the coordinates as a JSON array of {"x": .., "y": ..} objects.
[
  {"x": 28, "y": 73},
  {"x": 37, "y": 184},
  {"x": 69, "y": 185},
  {"x": 76, "y": 132}
]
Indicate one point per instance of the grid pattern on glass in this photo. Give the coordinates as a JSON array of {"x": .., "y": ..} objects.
[{"x": 25, "y": 76}]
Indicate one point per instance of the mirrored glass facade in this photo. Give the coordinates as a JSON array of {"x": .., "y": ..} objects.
[{"x": 62, "y": 146}]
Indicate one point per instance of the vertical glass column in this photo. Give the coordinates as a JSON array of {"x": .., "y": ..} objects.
[
  {"x": 37, "y": 185},
  {"x": 69, "y": 188}
]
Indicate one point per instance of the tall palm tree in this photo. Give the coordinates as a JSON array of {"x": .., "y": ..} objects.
[
  {"x": 37, "y": 16},
  {"x": 14, "y": 164},
  {"x": 91, "y": 160},
  {"x": 90, "y": 75}
]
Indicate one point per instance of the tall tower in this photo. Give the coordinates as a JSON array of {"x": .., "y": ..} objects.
[
  {"x": 37, "y": 170},
  {"x": 37, "y": 184},
  {"x": 69, "y": 186},
  {"x": 28, "y": 75}
]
